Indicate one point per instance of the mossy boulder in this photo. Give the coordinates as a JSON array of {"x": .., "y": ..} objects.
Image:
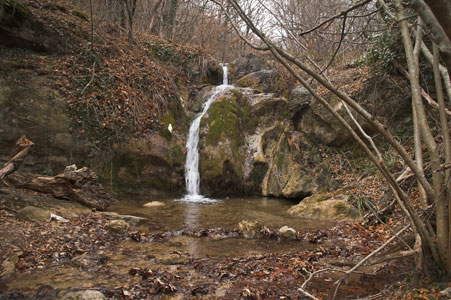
[
  {"x": 222, "y": 136},
  {"x": 323, "y": 207},
  {"x": 248, "y": 146}
]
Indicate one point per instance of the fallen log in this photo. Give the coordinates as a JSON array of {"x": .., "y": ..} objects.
[
  {"x": 18, "y": 153},
  {"x": 80, "y": 185}
]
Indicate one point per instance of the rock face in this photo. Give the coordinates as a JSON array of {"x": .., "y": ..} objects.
[
  {"x": 249, "y": 64},
  {"x": 155, "y": 161},
  {"x": 19, "y": 28},
  {"x": 262, "y": 81},
  {"x": 248, "y": 145},
  {"x": 39, "y": 113},
  {"x": 322, "y": 207},
  {"x": 152, "y": 162}
]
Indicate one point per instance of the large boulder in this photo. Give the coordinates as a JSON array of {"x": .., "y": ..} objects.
[
  {"x": 264, "y": 81},
  {"x": 297, "y": 167},
  {"x": 221, "y": 139},
  {"x": 323, "y": 207},
  {"x": 248, "y": 146},
  {"x": 249, "y": 64}
]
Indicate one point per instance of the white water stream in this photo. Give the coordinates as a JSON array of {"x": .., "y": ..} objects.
[{"x": 192, "y": 176}]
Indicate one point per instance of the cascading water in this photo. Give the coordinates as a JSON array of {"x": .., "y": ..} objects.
[{"x": 192, "y": 176}]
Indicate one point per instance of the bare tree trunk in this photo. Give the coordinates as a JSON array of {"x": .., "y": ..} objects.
[
  {"x": 427, "y": 235},
  {"x": 416, "y": 126},
  {"x": 442, "y": 11},
  {"x": 443, "y": 70},
  {"x": 130, "y": 6},
  {"x": 440, "y": 36},
  {"x": 446, "y": 138},
  {"x": 92, "y": 25},
  {"x": 153, "y": 14},
  {"x": 441, "y": 210},
  {"x": 170, "y": 22}
]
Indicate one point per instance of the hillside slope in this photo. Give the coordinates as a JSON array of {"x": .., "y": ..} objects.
[{"x": 107, "y": 106}]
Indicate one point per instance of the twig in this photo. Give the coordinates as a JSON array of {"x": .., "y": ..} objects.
[
  {"x": 350, "y": 271},
  {"x": 307, "y": 294},
  {"x": 92, "y": 78}
]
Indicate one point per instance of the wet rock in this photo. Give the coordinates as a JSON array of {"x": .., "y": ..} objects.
[
  {"x": 322, "y": 207},
  {"x": 89, "y": 260},
  {"x": 175, "y": 259},
  {"x": 446, "y": 292},
  {"x": 287, "y": 233},
  {"x": 34, "y": 214},
  {"x": 154, "y": 204},
  {"x": 82, "y": 261},
  {"x": 84, "y": 295},
  {"x": 250, "y": 229},
  {"x": 9, "y": 265},
  {"x": 131, "y": 220},
  {"x": 118, "y": 226}
]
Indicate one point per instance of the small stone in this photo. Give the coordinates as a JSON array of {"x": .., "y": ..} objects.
[
  {"x": 154, "y": 204},
  {"x": 287, "y": 233},
  {"x": 84, "y": 295},
  {"x": 34, "y": 214},
  {"x": 175, "y": 259},
  {"x": 446, "y": 292},
  {"x": 118, "y": 226},
  {"x": 9, "y": 265},
  {"x": 82, "y": 261}
]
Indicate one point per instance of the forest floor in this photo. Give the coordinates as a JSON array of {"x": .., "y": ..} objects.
[{"x": 127, "y": 264}]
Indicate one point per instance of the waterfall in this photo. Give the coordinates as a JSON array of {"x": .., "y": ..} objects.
[{"x": 192, "y": 176}]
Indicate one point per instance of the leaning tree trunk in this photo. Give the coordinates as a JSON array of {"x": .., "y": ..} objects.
[
  {"x": 18, "y": 153},
  {"x": 441, "y": 209}
]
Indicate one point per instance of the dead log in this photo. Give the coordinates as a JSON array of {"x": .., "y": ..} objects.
[
  {"x": 80, "y": 185},
  {"x": 18, "y": 153}
]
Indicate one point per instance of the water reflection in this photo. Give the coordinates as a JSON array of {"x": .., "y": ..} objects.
[{"x": 191, "y": 223}]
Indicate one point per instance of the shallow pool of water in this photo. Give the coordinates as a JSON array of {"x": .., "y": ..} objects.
[{"x": 226, "y": 213}]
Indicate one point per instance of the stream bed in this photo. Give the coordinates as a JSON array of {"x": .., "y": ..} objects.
[
  {"x": 181, "y": 251},
  {"x": 224, "y": 214}
]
